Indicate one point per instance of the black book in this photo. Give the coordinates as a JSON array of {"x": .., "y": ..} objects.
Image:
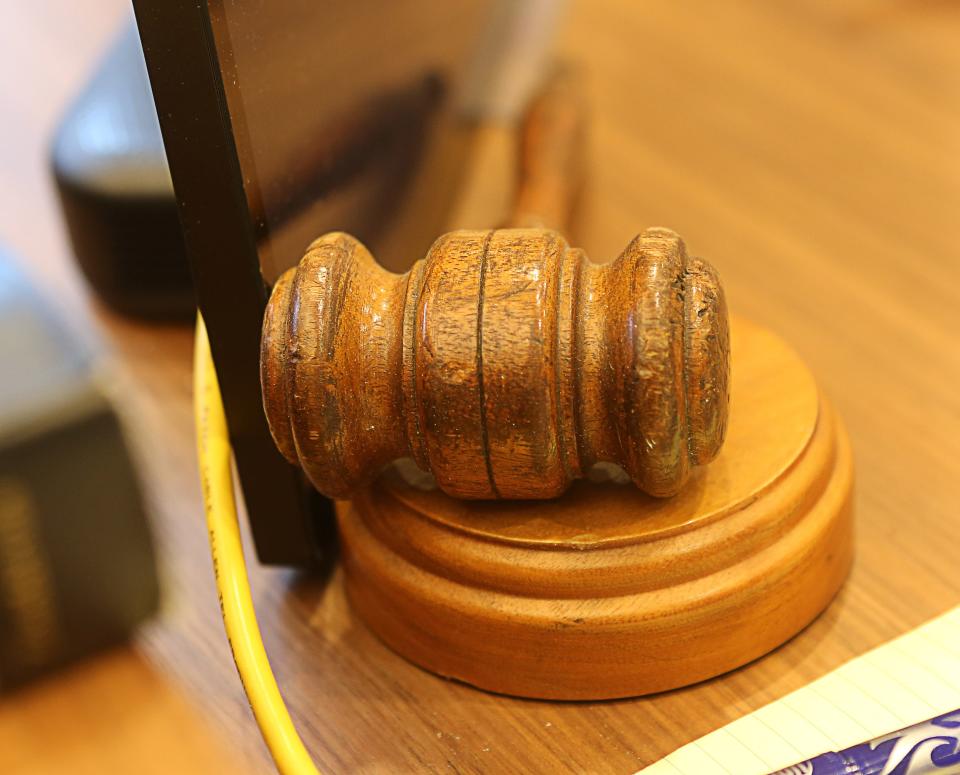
[{"x": 77, "y": 567}]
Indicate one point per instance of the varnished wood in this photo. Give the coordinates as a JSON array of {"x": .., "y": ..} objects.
[
  {"x": 807, "y": 149},
  {"x": 504, "y": 363},
  {"x": 551, "y": 163},
  {"x": 112, "y": 713},
  {"x": 606, "y": 592}
]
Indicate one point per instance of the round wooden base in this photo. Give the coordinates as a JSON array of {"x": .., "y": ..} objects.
[{"x": 606, "y": 592}]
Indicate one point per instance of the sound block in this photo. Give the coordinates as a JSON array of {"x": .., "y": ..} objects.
[{"x": 606, "y": 592}]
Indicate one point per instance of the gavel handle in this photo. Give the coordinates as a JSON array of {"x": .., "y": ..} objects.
[{"x": 551, "y": 155}]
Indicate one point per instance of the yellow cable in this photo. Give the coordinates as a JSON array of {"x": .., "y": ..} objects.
[{"x": 230, "y": 569}]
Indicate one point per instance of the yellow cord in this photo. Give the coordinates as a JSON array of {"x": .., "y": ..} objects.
[{"x": 230, "y": 569}]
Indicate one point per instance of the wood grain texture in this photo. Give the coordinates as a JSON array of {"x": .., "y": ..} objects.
[
  {"x": 809, "y": 149},
  {"x": 504, "y": 363},
  {"x": 606, "y": 592}
]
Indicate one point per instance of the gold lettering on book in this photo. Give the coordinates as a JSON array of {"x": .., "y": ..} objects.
[{"x": 25, "y": 576}]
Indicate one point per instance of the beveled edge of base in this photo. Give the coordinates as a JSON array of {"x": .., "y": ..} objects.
[{"x": 607, "y": 647}]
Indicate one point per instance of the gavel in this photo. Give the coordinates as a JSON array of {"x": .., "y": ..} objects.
[{"x": 505, "y": 363}]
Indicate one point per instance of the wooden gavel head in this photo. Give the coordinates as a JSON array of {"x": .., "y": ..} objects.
[{"x": 505, "y": 363}]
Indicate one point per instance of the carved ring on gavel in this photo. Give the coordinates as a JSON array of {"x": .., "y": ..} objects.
[{"x": 505, "y": 363}]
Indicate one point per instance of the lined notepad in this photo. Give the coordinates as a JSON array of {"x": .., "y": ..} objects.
[{"x": 908, "y": 680}]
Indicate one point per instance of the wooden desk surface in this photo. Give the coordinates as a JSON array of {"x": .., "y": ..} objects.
[{"x": 811, "y": 150}]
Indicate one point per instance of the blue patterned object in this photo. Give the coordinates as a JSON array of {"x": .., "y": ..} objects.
[{"x": 929, "y": 747}]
